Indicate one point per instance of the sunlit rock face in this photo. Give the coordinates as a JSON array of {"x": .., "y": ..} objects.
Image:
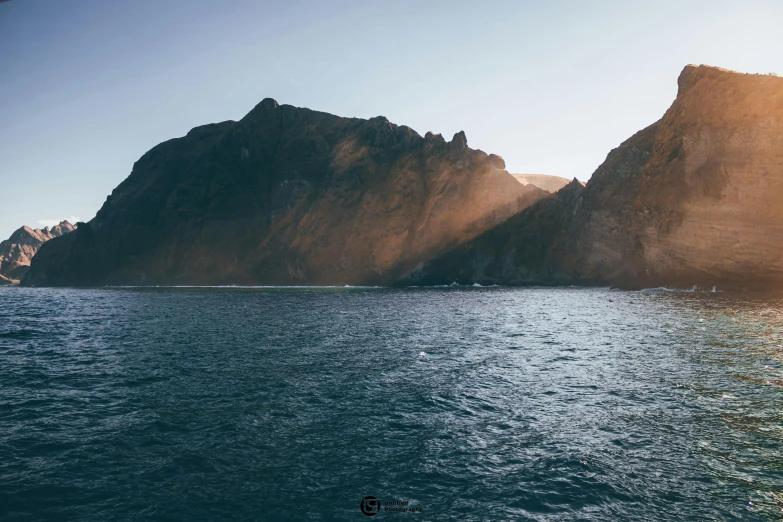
[
  {"x": 542, "y": 181},
  {"x": 287, "y": 196},
  {"x": 17, "y": 251},
  {"x": 694, "y": 199},
  {"x": 706, "y": 206}
]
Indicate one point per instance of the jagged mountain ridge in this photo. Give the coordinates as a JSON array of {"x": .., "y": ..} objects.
[
  {"x": 694, "y": 199},
  {"x": 17, "y": 251},
  {"x": 287, "y": 196}
]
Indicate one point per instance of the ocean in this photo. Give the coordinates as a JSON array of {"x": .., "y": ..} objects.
[{"x": 440, "y": 403}]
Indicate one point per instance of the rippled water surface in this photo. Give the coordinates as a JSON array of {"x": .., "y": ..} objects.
[{"x": 471, "y": 404}]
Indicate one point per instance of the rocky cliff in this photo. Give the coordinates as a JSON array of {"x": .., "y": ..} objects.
[
  {"x": 17, "y": 251},
  {"x": 694, "y": 199},
  {"x": 287, "y": 196}
]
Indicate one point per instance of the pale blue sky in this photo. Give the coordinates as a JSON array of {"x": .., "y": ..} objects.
[{"x": 86, "y": 87}]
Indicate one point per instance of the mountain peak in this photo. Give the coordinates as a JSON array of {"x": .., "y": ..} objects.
[
  {"x": 268, "y": 104},
  {"x": 460, "y": 140}
]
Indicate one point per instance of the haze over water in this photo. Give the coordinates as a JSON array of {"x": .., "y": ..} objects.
[{"x": 470, "y": 403}]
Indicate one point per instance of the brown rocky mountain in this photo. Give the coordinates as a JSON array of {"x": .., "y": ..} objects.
[
  {"x": 694, "y": 199},
  {"x": 17, "y": 251},
  {"x": 543, "y": 181},
  {"x": 287, "y": 196}
]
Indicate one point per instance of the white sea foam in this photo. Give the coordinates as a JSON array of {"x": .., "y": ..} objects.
[{"x": 693, "y": 290}]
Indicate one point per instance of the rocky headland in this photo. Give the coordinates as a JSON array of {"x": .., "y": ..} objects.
[
  {"x": 291, "y": 196},
  {"x": 695, "y": 199},
  {"x": 287, "y": 196},
  {"x": 17, "y": 251}
]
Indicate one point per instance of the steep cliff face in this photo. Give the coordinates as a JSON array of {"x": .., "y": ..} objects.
[
  {"x": 694, "y": 199},
  {"x": 17, "y": 251},
  {"x": 287, "y": 196},
  {"x": 705, "y": 207},
  {"x": 714, "y": 188}
]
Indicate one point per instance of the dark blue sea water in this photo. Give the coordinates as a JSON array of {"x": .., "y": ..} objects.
[{"x": 470, "y": 404}]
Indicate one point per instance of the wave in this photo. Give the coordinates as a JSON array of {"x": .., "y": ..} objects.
[{"x": 694, "y": 290}]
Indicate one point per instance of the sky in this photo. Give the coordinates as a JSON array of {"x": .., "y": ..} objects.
[{"x": 87, "y": 87}]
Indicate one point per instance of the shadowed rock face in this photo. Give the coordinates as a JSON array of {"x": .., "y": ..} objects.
[
  {"x": 526, "y": 249},
  {"x": 287, "y": 196},
  {"x": 17, "y": 251},
  {"x": 694, "y": 199}
]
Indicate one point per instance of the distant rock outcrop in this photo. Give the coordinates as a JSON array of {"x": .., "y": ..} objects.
[
  {"x": 17, "y": 251},
  {"x": 287, "y": 196},
  {"x": 694, "y": 199},
  {"x": 542, "y": 181}
]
